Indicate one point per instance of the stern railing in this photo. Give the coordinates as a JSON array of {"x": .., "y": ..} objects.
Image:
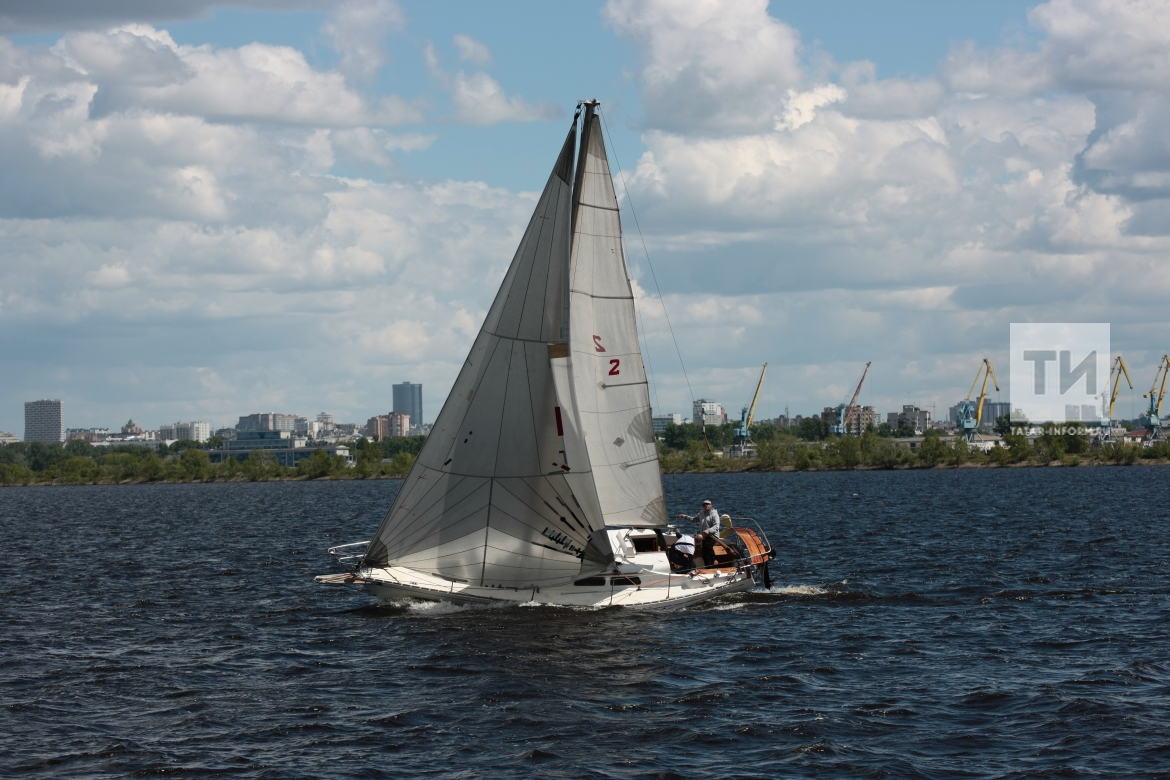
[{"x": 754, "y": 551}]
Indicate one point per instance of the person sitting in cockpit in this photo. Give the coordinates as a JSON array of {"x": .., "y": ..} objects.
[{"x": 681, "y": 554}]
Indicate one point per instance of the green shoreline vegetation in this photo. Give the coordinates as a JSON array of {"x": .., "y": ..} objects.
[
  {"x": 80, "y": 463},
  {"x": 809, "y": 447}
]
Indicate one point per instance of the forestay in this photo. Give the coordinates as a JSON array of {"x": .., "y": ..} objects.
[
  {"x": 492, "y": 498},
  {"x": 609, "y": 380}
]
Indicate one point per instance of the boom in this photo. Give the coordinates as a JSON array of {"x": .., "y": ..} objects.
[
  {"x": 743, "y": 434},
  {"x": 1118, "y": 370},
  {"x": 755, "y": 398},
  {"x": 845, "y": 412},
  {"x": 853, "y": 401}
]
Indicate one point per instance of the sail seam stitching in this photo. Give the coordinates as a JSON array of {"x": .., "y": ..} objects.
[
  {"x": 491, "y": 490},
  {"x": 407, "y": 528},
  {"x": 535, "y": 511},
  {"x": 414, "y": 546}
]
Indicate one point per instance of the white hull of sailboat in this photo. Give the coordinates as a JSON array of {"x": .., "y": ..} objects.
[{"x": 647, "y": 588}]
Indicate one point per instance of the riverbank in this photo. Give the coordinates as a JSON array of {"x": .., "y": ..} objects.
[
  {"x": 755, "y": 469},
  {"x": 1054, "y": 447},
  {"x": 78, "y": 464},
  {"x": 721, "y": 467}
]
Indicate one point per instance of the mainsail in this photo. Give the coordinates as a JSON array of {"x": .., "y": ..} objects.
[{"x": 503, "y": 492}]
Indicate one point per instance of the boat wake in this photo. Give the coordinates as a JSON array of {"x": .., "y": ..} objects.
[
  {"x": 424, "y": 608},
  {"x": 572, "y": 607},
  {"x": 796, "y": 590}
]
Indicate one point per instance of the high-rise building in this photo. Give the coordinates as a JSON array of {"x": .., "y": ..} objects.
[
  {"x": 708, "y": 412},
  {"x": 306, "y": 427},
  {"x": 992, "y": 410},
  {"x": 326, "y": 421},
  {"x": 662, "y": 420},
  {"x": 386, "y": 426},
  {"x": 185, "y": 431},
  {"x": 408, "y": 401},
  {"x": 268, "y": 421},
  {"x": 87, "y": 434},
  {"x": 910, "y": 417},
  {"x": 44, "y": 420},
  {"x": 863, "y": 417}
]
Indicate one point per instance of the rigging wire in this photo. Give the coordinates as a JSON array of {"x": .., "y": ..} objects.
[
  {"x": 640, "y": 320},
  {"x": 653, "y": 274}
]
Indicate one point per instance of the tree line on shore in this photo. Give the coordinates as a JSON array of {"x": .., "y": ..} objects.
[
  {"x": 80, "y": 463},
  {"x": 683, "y": 449}
]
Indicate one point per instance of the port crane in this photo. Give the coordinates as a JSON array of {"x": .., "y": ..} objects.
[
  {"x": 1119, "y": 370},
  {"x": 971, "y": 411},
  {"x": 743, "y": 434},
  {"x": 1152, "y": 419},
  {"x": 845, "y": 413}
]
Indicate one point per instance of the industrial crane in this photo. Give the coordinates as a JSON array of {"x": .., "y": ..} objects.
[
  {"x": 845, "y": 412},
  {"x": 971, "y": 412},
  {"x": 743, "y": 433},
  {"x": 1115, "y": 375},
  {"x": 1152, "y": 419}
]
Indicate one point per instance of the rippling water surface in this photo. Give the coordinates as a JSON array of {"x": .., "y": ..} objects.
[{"x": 993, "y": 623}]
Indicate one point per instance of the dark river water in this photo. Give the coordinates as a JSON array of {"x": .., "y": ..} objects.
[{"x": 983, "y": 623}]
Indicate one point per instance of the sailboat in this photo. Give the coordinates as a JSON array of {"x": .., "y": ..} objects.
[{"x": 540, "y": 480}]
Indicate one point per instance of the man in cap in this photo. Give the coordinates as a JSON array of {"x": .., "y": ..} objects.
[{"x": 708, "y": 520}]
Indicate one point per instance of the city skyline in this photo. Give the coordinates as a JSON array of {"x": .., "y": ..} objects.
[
  {"x": 211, "y": 207},
  {"x": 715, "y": 413}
]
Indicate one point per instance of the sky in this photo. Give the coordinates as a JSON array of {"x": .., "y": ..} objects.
[{"x": 209, "y": 210}]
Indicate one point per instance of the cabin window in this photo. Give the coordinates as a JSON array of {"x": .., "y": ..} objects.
[
  {"x": 625, "y": 582},
  {"x": 590, "y": 582},
  {"x": 643, "y": 544}
]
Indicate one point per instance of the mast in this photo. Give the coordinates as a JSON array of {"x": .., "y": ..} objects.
[{"x": 590, "y": 107}]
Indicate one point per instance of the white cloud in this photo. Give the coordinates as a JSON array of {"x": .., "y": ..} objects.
[
  {"x": 814, "y": 219},
  {"x": 358, "y": 30},
  {"x": 1087, "y": 45},
  {"x": 477, "y": 99},
  {"x": 198, "y": 198},
  {"x": 140, "y": 67},
  {"x": 471, "y": 50},
  {"x": 800, "y": 108},
  {"x": 719, "y": 66},
  {"x": 902, "y": 221}
]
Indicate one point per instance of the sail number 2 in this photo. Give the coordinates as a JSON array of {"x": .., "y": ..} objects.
[{"x": 614, "y": 364}]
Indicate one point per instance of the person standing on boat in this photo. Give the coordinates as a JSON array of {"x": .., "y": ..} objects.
[{"x": 708, "y": 520}]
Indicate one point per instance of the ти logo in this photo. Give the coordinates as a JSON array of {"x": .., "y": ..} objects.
[{"x": 1058, "y": 371}]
